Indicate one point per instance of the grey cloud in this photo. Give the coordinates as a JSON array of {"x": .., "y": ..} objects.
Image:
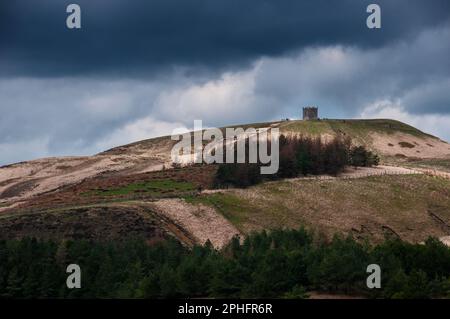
[
  {"x": 223, "y": 62},
  {"x": 73, "y": 113},
  {"x": 431, "y": 98},
  {"x": 346, "y": 79},
  {"x": 144, "y": 38},
  {"x": 83, "y": 115}
]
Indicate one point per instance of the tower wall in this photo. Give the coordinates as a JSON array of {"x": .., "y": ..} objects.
[{"x": 310, "y": 113}]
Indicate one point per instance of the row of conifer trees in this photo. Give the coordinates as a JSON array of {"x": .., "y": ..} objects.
[
  {"x": 299, "y": 156},
  {"x": 279, "y": 264}
]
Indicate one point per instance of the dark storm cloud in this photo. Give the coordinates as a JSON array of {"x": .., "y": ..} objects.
[
  {"x": 141, "y": 37},
  {"x": 138, "y": 69}
]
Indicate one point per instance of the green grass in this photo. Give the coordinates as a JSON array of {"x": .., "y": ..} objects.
[
  {"x": 307, "y": 127},
  {"x": 376, "y": 125},
  {"x": 153, "y": 187},
  {"x": 356, "y": 127}
]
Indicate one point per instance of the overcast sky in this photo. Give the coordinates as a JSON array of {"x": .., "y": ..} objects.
[{"x": 138, "y": 69}]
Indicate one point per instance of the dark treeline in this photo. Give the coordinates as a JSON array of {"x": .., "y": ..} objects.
[
  {"x": 280, "y": 264},
  {"x": 299, "y": 156}
]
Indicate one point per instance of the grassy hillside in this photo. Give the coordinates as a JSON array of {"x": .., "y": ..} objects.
[
  {"x": 352, "y": 127},
  {"x": 358, "y": 129},
  {"x": 412, "y": 207},
  {"x": 391, "y": 139}
]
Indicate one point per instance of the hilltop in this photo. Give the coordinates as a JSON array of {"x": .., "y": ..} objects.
[
  {"x": 388, "y": 138},
  {"x": 132, "y": 189}
]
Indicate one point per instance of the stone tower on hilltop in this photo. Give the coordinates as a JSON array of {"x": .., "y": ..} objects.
[{"x": 310, "y": 113}]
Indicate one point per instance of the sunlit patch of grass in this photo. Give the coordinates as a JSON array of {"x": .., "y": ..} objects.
[
  {"x": 362, "y": 127},
  {"x": 315, "y": 127}
]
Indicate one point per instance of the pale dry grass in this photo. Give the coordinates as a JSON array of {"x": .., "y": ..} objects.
[
  {"x": 372, "y": 207},
  {"x": 445, "y": 240},
  {"x": 201, "y": 221},
  {"x": 48, "y": 174},
  {"x": 423, "y": 147}
]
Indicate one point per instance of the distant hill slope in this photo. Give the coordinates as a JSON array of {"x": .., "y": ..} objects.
[
  {"x": 390, "y": 139},
  {"x": 94, "y": 185}
]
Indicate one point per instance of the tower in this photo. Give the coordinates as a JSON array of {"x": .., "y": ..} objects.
[{"x": 310, "y": 113}]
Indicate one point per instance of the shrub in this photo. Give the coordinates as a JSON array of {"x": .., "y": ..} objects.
[{"x": 359, "y": 156}]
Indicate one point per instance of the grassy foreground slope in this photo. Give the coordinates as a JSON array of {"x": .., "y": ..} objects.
[{"x": 411, "y": 207}]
